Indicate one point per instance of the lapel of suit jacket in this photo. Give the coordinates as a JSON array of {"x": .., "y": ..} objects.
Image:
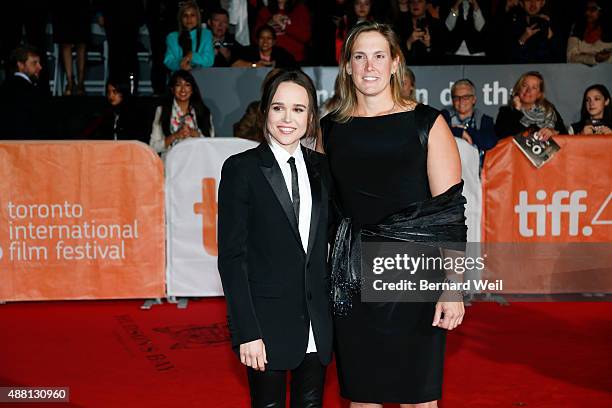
[
  {"x": 274, "y": 175},
  {"x": 312, "y": 165}
]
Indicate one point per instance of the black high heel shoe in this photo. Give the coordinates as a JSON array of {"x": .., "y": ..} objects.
[{"x": 80, "y": 89}]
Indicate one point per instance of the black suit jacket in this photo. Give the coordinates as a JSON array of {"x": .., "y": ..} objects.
[
  {"x": 24, "y": 114},
  {"x": 274, "y": 288}
]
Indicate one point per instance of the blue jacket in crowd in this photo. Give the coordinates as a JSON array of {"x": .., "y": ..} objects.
[{"x": 203, "y": 57}]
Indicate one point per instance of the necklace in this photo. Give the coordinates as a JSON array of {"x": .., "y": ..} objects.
[{"x": 380, "y": 113}]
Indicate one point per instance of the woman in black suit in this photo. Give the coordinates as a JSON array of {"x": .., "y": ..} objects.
[{"x": 273, "y": 211}]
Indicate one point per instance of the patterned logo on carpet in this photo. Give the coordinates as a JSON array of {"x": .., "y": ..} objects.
[
  {"x": 196, "y": 336},
  {"x": 145, "y": 344}
]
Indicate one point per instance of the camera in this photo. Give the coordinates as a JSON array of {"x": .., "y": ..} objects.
[
  {"x": 541, "y": 23},
  {"x": 596, "y": 122},
  {"x": 222, "y": 44},
  {"x": 421, "y": 24}
]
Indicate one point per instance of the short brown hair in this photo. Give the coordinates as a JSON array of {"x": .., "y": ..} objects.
[
  {"x": 21, "y": 54},
  {"x": 297, "y": 77}
]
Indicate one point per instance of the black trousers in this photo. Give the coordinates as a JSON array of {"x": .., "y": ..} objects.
[{"x": 269, "y": 388}]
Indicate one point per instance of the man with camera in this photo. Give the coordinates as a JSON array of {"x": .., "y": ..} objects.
[
  {"x": 529, "y": 34},
  {"x": 422, "y": 35},
  {"x": 225, "y": 45}
]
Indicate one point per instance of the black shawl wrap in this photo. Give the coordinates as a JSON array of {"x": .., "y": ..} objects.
[{"x": 439, "y": 219}]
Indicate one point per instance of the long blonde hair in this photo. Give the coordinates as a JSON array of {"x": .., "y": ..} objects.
[
  {"x": 541, "y": 101},
  {"x": 348, "y": 95},
  {"x": 184, "y": 38},
  {"x": 188, "y": 5}
]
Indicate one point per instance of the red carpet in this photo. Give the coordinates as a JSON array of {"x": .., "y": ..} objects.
[{"x": 112, "y": 354}]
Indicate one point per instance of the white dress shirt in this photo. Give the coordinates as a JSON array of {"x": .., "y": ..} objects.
[
  {"x": 24, "y": 76},
  {"x": 281, "y": 155}
]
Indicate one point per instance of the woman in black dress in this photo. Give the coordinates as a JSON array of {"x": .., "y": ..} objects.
[{"x": 387, "y": 154}]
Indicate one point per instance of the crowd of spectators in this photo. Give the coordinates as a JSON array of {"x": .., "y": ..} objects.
[
  {"x": 188, "y": 34},
  {"x": 309, "y": 32},
  {"x": 183, "y": 114}
]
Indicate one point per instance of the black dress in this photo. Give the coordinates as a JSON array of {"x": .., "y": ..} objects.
[
  {"x": 386, "y": 352},
  {"x": 71, "y": 21}
]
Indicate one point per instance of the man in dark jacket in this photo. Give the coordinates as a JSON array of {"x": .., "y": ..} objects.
[
  {"x": 227, "y": 49},
  {"x": 530, "y": 35},
  {"x": 24, "y": 112}
]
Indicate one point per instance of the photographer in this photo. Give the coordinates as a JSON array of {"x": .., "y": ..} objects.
[
  {"x": 466, "y": 32},
  {"x": 529, "y": 34},
  {"x": 225, "y": 45},
  {"x": 420, "y": 34}
]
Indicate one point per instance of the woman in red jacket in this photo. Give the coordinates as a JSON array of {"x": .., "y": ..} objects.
[{"x": 291, "y": 21}]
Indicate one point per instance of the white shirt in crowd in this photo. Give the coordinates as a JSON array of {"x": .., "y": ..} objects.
[
  {"x": 158, "y": 138},
  {"x": 479, "y": 22}
]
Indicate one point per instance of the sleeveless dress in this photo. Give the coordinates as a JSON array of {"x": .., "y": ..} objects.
[{"x": 385, "y": 352}]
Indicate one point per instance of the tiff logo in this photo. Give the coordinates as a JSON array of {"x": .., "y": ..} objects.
[
  {"x": 559, "y": 204},
  {"x": 208, "y": 209}
]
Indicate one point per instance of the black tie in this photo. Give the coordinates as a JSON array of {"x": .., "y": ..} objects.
[{"x": 295, "y": 189}]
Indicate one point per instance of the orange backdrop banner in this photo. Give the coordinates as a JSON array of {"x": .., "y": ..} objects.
[
  {"x": 558, "y": 217},
  {"x": 81, "y": 220}
]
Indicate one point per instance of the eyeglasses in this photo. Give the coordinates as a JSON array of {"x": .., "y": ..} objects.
[
  {"x": 462, "y": 98},
  {"x": 593, "y": 8}
]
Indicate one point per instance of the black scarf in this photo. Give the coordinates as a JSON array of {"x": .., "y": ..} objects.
[{"x": 437, "y": 219}]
